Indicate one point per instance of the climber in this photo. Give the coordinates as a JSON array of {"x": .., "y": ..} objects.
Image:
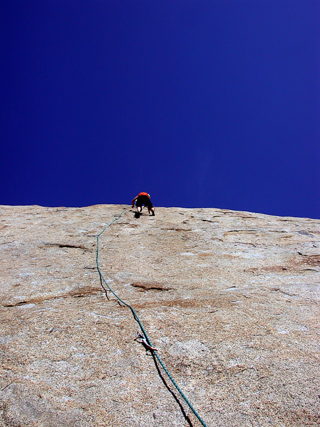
[{"x": 143, "y": 199}]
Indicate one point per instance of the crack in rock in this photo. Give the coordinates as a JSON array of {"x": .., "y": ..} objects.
[
  {"x": 66, "y": 245},
  {"x": 150, "y": 286},
  {"x": 85, "y": 292}
]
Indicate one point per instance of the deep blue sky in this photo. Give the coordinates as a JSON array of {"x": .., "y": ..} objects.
[{"x": 200, "y": 103}]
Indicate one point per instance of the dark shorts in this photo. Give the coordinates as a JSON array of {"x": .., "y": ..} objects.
[{"x": 144, "y": 200}]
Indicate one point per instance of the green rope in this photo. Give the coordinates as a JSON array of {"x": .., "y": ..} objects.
[{"x": 136, "y": 318}]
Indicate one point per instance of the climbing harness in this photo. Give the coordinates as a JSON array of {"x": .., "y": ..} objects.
[{"x": 143, "y": 336}]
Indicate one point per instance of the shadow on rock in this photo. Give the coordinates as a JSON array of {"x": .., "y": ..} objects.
[{"x": 185, "y": 415}]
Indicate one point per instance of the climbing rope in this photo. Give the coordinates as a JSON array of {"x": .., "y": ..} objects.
[{"x": 136, "y": 318}]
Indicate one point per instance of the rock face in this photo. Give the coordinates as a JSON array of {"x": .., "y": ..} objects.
[{"x": 229, "y": 299}]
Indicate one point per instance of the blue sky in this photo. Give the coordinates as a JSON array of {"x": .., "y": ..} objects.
[{"x": 199, "y": 103}]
